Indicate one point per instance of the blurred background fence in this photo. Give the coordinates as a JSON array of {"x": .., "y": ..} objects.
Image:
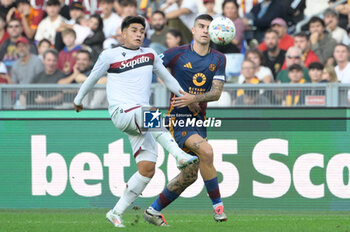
[{"x": 47, "y": 96}]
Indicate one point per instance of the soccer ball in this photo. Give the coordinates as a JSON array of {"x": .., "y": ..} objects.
[{"x": 222, "y": 30}]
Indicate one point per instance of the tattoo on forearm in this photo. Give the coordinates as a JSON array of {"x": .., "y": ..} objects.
[
  {"x": 213, "y": 94},
  {"x": 186, "y": 177}
]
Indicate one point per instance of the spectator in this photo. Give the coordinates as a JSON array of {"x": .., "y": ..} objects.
[
  {"x": 158, "y": 24},
  {"x": 4, "y": 77},
  {"x": 181, "y": 15},
  {"x": 230, "y": 10},
  {"x": 95, "y": 41},
  {"x": 341, "y": 56},
  {"x": 28, "y": 66},
  {"x": 81, "y": 69},
  {"x": 293, "y": 56},
  {"x": 315, "y": 72},
  {"x": 8, "y": 52},
  {"x": 3, "y": 32},
  {"x": 263, "y": 73},
  {"x": 209, "y": 7},
  {"x": 343, "y": 11},
  {"x": 5, "y": 7},
  {"x": 262, "y": 15},
  {"x": 76, "y": 10},
  {"x": 29, "y": 17},
  {"x": 66, "y": 57},
  {"x": 294, "y": 12},
  {"x": 48, "y": 26},
  {"x": 286, "y": 41},
  {"x": 50, "y": 74},
  {"x": 245, "y": 6},
  {"x": 43, "y": 45},
  {"x": 111, "y": 21},
  {"x": 274, "y": 56},
  {"x": 64, "y": 9},
  {"x": 328, "y": 74},
  {"x": 296, "y": 96},
  {"x": 174, "y": 38},
  {"x": 301, "y": 41},
  {"x": 331, "y": 20},
  {"x": 346, "y": 39},
  {"x": 322, "y": 43}
]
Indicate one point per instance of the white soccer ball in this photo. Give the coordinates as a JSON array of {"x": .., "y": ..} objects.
[{"x": 222, "y": 30}]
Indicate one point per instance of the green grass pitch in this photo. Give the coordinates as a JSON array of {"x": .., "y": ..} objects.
[{"x": 94, "y": 220}]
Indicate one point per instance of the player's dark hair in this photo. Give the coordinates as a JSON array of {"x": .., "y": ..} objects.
[
  {"x": 133, "y": 19},
  {"x": 51, "y": 51},
  {"x": 177, "y": 34},
  {"x": 229, "y": 1},
  {"x": 302, "y": 34},
  {"x": 315, "y": 19},
  {"x": 203, "y": 17},
  {"x": 316, "y": 65},
  {"x": 84, "y": 51},
  {"x": 159, "y": 12}
]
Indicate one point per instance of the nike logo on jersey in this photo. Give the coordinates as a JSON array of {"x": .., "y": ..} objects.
[
  {"x": 129, "y": 64},
  {"x": 188, "y": 65}
]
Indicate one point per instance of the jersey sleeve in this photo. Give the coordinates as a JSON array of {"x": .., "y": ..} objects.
[
  {"x": 99, "y": 69},
  {"x": 220, "y": 71},
  {"x": 170, "y": 82}
]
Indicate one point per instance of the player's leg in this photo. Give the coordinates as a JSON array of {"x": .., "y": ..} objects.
[
  {"x": 172, "y": 191},
  {"x": 203, "y": 149},
  {"x": 134, "y": 187},
  {"x": 163, "y": 137}
]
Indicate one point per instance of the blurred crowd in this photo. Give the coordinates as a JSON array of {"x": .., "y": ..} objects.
[{"x": 59, "y": 43}]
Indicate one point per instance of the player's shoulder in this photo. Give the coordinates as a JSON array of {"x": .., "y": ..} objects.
[
  {"x": 147, "y": 50},
  {"x": 217, "y": 53},
  {"x": 177, "y": 50}
]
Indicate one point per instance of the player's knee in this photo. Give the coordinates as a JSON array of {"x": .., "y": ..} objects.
[
  {"x": 147, "y": 169},
  {"x": 206, "y": 156}
]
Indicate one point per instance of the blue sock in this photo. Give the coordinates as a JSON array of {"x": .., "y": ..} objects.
[
  {"x": 213, "y": 190},
  {"x": 164, "y": 199}
]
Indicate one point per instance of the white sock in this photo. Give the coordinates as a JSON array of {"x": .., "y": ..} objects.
[
  {"x": 218, "y": 204},
  {"x": 136, "y": 184},
  {"x": 165, "y": 139}
]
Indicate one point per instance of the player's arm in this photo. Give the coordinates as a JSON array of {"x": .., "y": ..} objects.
[
  {"x": 212, "y": 95},
  {"x": 97, "y": 72}
]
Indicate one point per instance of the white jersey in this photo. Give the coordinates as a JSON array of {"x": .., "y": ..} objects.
[{"x": 129, "y": 76}]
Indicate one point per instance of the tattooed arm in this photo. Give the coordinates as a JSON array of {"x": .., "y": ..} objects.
[{"x": 212, "y": 95}]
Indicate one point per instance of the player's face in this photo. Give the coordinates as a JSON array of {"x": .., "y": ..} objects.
[
  {"x": 200, "y": 32},
  {"x": 133, "y": 35}
]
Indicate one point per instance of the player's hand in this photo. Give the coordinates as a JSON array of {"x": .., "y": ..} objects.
[
  {"x": 78, "y": 108},
  {"x": 184, "y": 100},
  {"x": 194, "y": 108}
]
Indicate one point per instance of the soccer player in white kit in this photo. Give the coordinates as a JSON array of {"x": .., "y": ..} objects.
[{"x": 129, "y": 78}]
